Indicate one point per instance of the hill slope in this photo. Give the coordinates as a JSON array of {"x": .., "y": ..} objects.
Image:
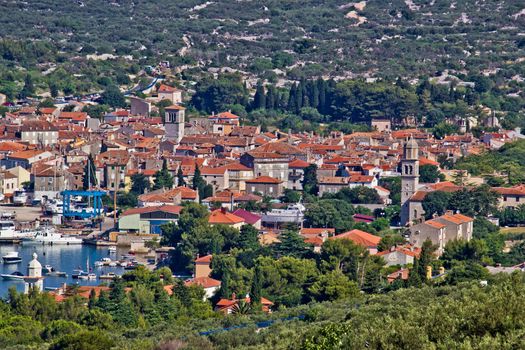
[{"x": 336, "y": 37}]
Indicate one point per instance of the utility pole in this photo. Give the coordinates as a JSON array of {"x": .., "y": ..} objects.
[{"x": 114, "y": 198}]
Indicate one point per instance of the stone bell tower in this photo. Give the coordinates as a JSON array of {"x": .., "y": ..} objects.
[
  {"x": 409, "y": 180},
  {"x": 174, "y": 122}
]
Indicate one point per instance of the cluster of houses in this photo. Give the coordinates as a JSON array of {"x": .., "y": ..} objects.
[{"x": 49, "y": 148}]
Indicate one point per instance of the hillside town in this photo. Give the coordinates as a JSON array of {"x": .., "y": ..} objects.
[{"x": 143, "y": 165}]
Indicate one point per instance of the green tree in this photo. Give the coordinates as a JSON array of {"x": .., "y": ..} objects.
[
  {"x": 436, "y": 202},
  {"x": 139, "y": 184},
  {"x": 291, "y": 196},
  {"x": 332, "y": 286},
  {"x": 113, "y": 97},
  {"x": 430, "y": 174},
  {"x": 259, "y": 100},
  {"x": 85, "y": 340},
  {"x": 248, "y": 238},
  {"x": 180, "y": 177},
  {"x": 310, "y": 184},
  {"x": 198, "y": 182},
  {"x": 256, "y": 288},
  {"x": 127, "y": 200},
  {"x": 29, "y": 89},
  {"x": 46, "y": 103},
  {"x": 291, "y": 244},
  {"x": 163, "y": 178}
]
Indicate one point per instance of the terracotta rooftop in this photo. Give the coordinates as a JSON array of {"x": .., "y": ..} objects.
[{"x": 360, "y": 238}]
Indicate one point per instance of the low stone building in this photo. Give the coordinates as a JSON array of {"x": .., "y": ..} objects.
[
  {"x": 266, "y": 185},
  {"x": 441, "y": 230}
]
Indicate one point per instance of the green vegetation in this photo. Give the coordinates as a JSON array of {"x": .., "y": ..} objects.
[{"x": 509, "y": 160}]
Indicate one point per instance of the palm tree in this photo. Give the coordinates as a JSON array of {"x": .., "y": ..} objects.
[{"x": 242, "y": 308}]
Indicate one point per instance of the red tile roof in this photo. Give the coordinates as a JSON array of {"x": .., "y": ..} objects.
[
  {"x": 204, "y": 282},
  {"x": 264, "y": 180},
  {"x": 204, "y": 259},
  {"x": 360, "y": 237},
  {"x": 221, "y": 216}
]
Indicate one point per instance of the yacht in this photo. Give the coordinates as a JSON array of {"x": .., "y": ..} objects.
[
  {"x": 294, "y": 213},
  {"x": 48, "y": 235},
  {"x": 12, "y": 258},
  {"x": 15, "y": 276}
]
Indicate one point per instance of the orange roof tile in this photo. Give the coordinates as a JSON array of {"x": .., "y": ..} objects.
[
  {"x": 359, "y": 237},
  {"x": 220, "y": 216}
]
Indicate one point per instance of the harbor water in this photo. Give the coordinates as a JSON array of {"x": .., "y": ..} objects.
[{"x": 63, "y": 258}]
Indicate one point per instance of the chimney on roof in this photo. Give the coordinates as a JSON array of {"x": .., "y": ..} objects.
[
  {"x": 223, "y": 210},
  {"x": 234, "y": 296}
]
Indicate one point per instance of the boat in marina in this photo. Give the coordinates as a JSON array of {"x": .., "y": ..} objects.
[
  {"x": 47, "y": 269},
  {"x": 12, "y": 258},
  {"x": 8, "y": 231},
  {"x": 48, "y": 235},
  {"x": 20, "y": 197},
  {"x": 112, "y": 249},
  {"x": 15, "y": 276},
  {"x": 56, "y": 274},
  {"x": 83, "y": 275},
  {"x": 108, "y": 276}
]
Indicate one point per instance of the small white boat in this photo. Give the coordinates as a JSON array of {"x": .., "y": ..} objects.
[
  {"x": 47, "y": 269},
  {"x": 99, "y": 263},
  {"x": 48, "y": 235},
  {"x": 108, "y": 276},
  {"x": 15, "y": 276},
  {"x": 124, "y": 263},
  {"x": 112, "y": 249},
  {"x": 12, "y": 258},
  {"x": 91, "y": 276},
  {"x": 112, "y": 264}
]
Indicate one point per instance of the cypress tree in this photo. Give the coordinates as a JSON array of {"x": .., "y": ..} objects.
[
  {"x": 180, "y": 177},
  {"x": 256, "y": 288},
  {"x": 306, "y": 94},
  {"x": 198, "y": 181},
  {"x": 321, "y": 87},
  {"x": 259, "y": 100},
  {"x": 299, "y": 97},
  {"x": 225, "y": 291},
  {"x": 270, "y": 98},
  {"x": 314, "y": 98},
  {"x": 292, "y": 99}
]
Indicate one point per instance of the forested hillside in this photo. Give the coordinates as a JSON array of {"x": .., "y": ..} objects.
[{"x": 385, "y": 38}]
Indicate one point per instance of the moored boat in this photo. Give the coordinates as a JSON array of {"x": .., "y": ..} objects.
[
  {"x": 48, "y": 235},
  {"x": 12, "y": 258},
  {"x": 108, "y": 276},
  {"x": 15, "y": 276}
]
